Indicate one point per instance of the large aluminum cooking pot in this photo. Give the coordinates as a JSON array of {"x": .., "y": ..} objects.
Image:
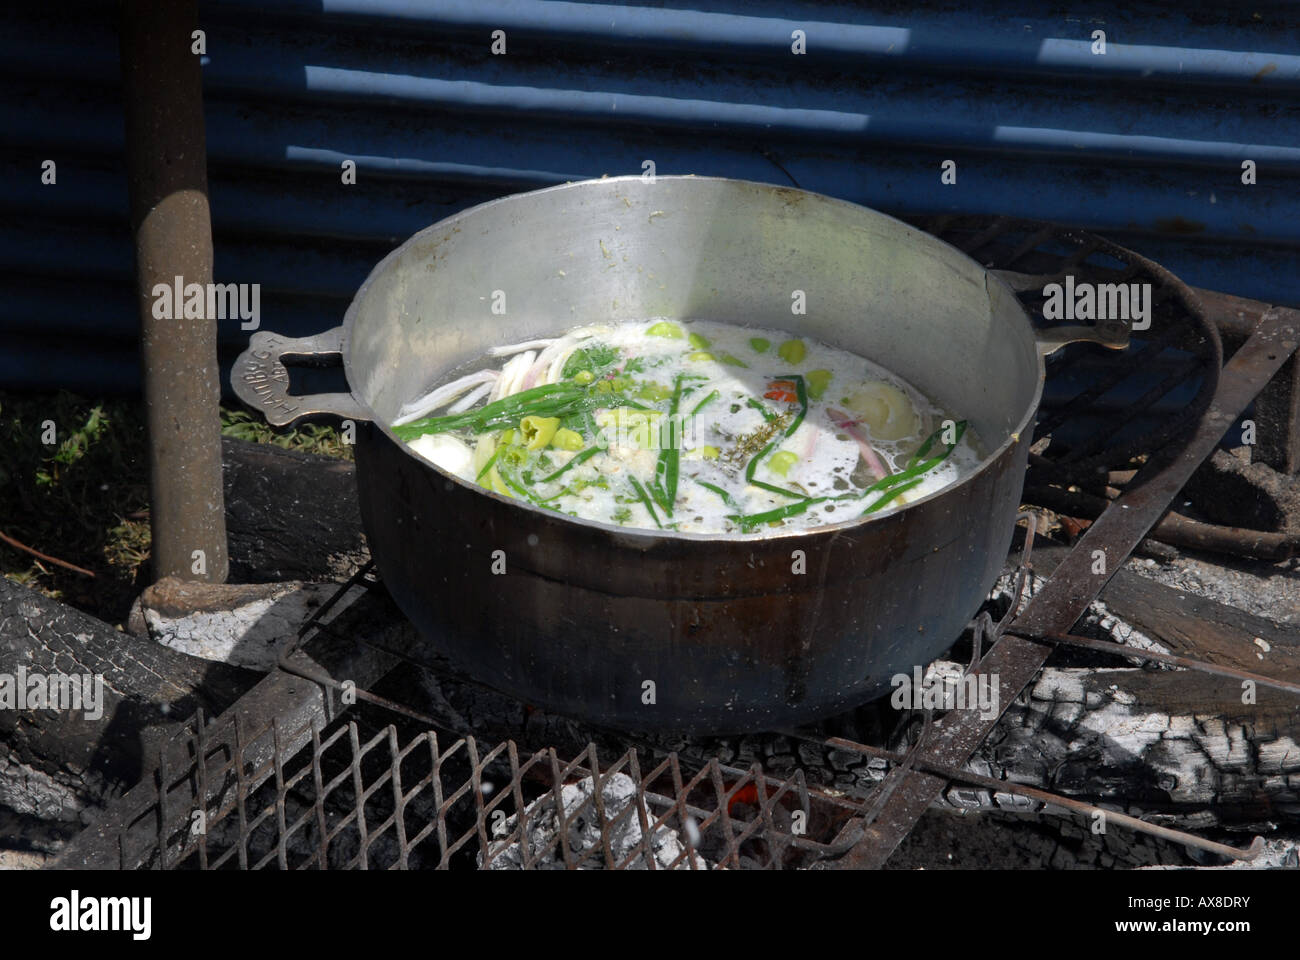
[{"x": 640, "y": 629}]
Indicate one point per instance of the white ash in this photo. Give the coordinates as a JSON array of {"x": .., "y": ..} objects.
[
  {"x": 1278, "y": 853},
  {"x": 1198, "y": 761},
  {"x": 249, "y": 627},
  {"x": 1097, "y": 615},
  {"x": 1265, "y": 589},
  {"x": 1122, "y": 631},
  {"x": 1006, "y": 585},
  {"x": 584, "y": 831}
]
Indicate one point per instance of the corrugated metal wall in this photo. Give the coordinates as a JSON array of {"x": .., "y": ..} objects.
[{"x": 1144, "y": 143}]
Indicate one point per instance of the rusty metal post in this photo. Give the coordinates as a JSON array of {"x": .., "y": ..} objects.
[{"x": 167, "y": 170}]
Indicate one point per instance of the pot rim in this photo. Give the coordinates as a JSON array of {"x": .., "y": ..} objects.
[{"x": 644, "y": 536}]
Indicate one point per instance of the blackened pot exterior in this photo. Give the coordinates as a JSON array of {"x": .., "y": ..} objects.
[{"x": 673, "y": 634}]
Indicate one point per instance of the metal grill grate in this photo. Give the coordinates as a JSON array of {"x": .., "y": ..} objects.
[{"x": 358, "y": 795}]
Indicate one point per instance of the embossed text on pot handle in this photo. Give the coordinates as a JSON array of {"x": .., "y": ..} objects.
[{"x": 261, "y": 380}]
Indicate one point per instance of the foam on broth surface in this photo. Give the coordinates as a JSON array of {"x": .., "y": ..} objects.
[{"x": 758, "y": 410}]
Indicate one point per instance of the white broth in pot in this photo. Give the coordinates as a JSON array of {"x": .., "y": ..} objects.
[{"x": 693, "y": 426}]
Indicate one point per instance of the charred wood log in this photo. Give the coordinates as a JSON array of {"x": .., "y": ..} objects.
[
  {"x": 1193, "y": 626},
  {"x": 290, "y": 515},
  {"x": 1181, "y": 746},
  {"x": 55, "y": 765}
]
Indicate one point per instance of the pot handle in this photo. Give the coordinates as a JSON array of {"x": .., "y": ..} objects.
[
  {"x": 1112, "y": 334},
  {"x": 260, "y": 378}
]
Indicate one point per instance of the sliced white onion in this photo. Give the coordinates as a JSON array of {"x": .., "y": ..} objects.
[
  {"x": 544, "y": 370},
  {"x": 512, "y": 374},
  {"x": 566, "y": 345},
  {"x": 471, "y": 398},
  {"x": 503, "y": 381},
  {"x": 530, "y": 376},
  {"x": 442, "y": 396},
  {"x": 526, "y": 361},
  {"x": 557, "y": 365},
  {"x": 555, "y": 350},
  {"x": 520, "y": 347}
]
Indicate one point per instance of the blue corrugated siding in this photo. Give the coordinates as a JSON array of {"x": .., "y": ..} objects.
[{"x": 1143, "y": 144}]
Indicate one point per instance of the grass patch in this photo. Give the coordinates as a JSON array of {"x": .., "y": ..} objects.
[
  {"x": 310, "y": 438},
  {"x": 74, "y": 484}
]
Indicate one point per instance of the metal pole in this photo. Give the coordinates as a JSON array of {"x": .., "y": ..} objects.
[{"x": 167, "y": 174}]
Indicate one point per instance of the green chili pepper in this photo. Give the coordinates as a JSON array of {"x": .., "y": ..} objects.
[
  {"x": 538, "y": 431},
  {"x": 566, "y": 439},
  {"x": 654, "y": 392}
]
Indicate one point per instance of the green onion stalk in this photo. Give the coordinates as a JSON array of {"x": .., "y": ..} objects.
[
  {"x": 893, "y": 485},
  {"x": 548, "y": 400},
  {"x": 801, "y": 393}
]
